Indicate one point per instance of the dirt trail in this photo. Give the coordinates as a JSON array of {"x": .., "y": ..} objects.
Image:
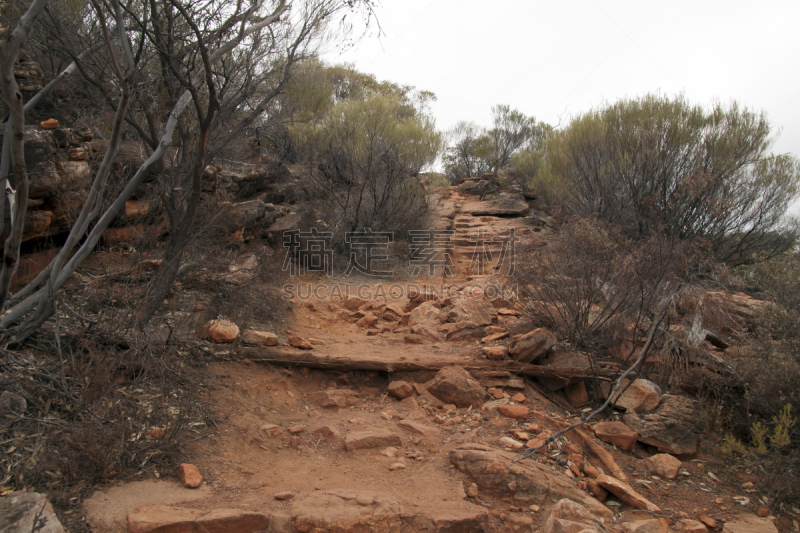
[{"x": 283, "y": 432}]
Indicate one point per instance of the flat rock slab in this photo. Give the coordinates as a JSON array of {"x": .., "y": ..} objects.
[
  {"x": 750, "y": 524},
  {"x": 501, "y": 207},
  {"x": 106, "y": 511},
  {"x": 26, "y": 512},
  {"x": 418, "y": 428},
  {"x": 165, "y": 518},
  {"x": 346, "y": 510},
  {"x": 372, "y": 438}
]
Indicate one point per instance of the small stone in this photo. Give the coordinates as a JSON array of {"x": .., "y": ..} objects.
[
  {"x": 519, "y": 397},
  {"x": 219, "y": 331},
  {"x": 511, "y": 443},
  {"x": 283, "y": 495},
  {"x": 616, "y": 433},
  {"x": 189, "y": 475},
  {"x": 597, "y": 491},
  {"x": 748, "y": 485},
  {"x": 569, "y": 447},
  {"x": 364, "y": 499},
  {"x": 591, "y": 471},
  {"x": 495, "y": 353},
  {"x": 397, "y": 466},
  {"x": 472, "y": 491},
  {"x": 762, "y": 512},
  {"x": 718, "y": 501},
  {"x": 327, "y": 432},
  {"x": 708, "y": 521},
  {"x": 534, "y": 508},
  {"x": 514, "y": 411},
  {"x": 400, "y": 389},
  {"x": 533, "y": 427},
  {"x": 692, "y": 526},
  {"x": 259, "y": 338},
  {"x": 664, "y": 466},
  {"x": 49, "y": 124},
  {"x": 300, "y": 342},
  {"x": 294, "y": 430}
]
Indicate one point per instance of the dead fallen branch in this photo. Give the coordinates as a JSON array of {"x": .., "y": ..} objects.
[{"x": 314, "y": 359}]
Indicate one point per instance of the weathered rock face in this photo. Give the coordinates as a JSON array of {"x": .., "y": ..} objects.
[
  {"x": 455, "y": 385},
  {"x": 23, "y": 512},
  {"x": 531, "y": 346},
  {"x": 528, "y": 482},
  {"x": 473, "y": 310},
  {"x": 674, "y": 427}
]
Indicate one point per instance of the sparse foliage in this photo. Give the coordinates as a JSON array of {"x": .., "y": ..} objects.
[{"x": 657, "y": 164}]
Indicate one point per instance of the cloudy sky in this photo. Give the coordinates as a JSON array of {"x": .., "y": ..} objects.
[{"x": 553, "y": 60}]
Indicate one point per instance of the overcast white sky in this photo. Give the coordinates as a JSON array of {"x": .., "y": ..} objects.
[{"x": 556, "y": 59}]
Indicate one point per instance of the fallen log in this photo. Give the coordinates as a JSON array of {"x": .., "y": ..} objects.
[{"x": 315, "y": 359}]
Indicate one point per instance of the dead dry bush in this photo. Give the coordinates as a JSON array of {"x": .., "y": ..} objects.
[
  {"x": 90, "y": 408},
  {"x": 596, "y": 287}
]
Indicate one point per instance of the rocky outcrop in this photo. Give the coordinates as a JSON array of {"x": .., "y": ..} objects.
[
  {"x": 674, "y": 427},
  {"x": 523, "y": 482}
]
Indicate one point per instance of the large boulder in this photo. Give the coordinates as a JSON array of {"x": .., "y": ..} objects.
[
  {"x": 531, "y": 346},
  {"x": 675, "y": 426},
  {"x": 479, "y": 312},
  {"x": 453, "y": 384},
  {"x": 24, "y": 512}
]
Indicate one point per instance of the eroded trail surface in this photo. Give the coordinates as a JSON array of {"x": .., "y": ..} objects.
[{"x": 376, "y": 415}]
